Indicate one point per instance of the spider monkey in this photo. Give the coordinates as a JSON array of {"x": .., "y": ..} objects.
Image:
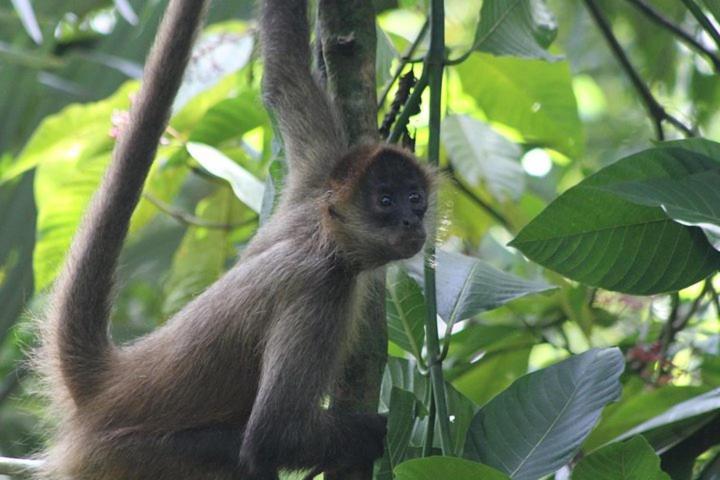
[{"x": 231, "y": 386}]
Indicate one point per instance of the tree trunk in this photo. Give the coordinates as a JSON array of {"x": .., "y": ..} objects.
[{"x": 346, "y": 32}]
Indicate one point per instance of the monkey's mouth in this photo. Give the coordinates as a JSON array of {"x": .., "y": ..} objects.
[{"x": 409, "y": 244}]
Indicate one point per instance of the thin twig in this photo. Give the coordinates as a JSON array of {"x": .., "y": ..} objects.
[
  {"x": 404, "y": 60},
  {"x": 655, "y": 110},
  {"x": 651, "y": 13},
  {"x": 479, "y": 201},
  {"x": 189, "y": 219},
  {"x": 675, "y": 322},
  {"x": 703, "y": 20}
]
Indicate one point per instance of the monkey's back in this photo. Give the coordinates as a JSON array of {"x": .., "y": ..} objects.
[{"x": 201, "y": 368}]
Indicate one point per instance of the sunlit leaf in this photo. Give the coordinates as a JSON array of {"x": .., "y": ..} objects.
[
  {"x": 532, "y": 96},
  {"x": 536, "y": 426},
  {"x": 482, "y": 156},
  {"x": 247, "y": 188}
]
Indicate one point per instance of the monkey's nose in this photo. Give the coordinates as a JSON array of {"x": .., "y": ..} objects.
[{"x": 410, "y": 223}]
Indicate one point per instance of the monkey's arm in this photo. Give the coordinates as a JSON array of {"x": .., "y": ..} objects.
[
  {"x": 312, "y": 132},
  {"x": 287, "y": 427},
  {"x": 82, "y": 296}
]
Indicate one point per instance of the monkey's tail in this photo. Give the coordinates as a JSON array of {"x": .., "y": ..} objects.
[{"x": 76, "y": 348}]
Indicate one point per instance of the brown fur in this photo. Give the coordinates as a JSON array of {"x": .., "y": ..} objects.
[{"x": 231, "y": 386}]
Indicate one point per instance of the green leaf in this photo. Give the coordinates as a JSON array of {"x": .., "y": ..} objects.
[
  {"x": 700, "y": 405},
  {"x": 203, "y": 253},
  {"x": 63, "y": 188},
  {"x": 401, "y": 419},
  {"x": 593, "y": 235},
  {"x": 480, "y": 155},
  {"x": 247, "y": 188},
  {"x": 230, "y": 118},
  {"x": 77, "y": 132},
  {"x": 536, "y": 426},
  {"x": 631, "y": 460},
  {"x": 509, "y": 27},
  {"x": 384, "y": 57},
  {"x": 690, "y": 198},
  {"x": 531, "y": 96},
  {"x": 406, "y": 311},
  {"x": 494, "y": 372},
  {"x": 467, "y": 286},
  {"x": 636, "y": 406},
  {"x": 434, "y": 468}
]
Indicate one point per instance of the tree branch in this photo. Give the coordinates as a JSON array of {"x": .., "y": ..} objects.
[
  {"x": 654, "y": 15},
  {"x": 703, "y": 20},
  {"x": 348, "y": 38},
  {"x": 655, "y": 110},
  {"x": 347, "y": 31}
]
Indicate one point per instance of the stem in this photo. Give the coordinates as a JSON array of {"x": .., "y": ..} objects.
[
  {"x": 429, "y": 430},
  {"x": 703, "y": 20},
  {"x": 434, "y": 65},
  {"x": 187, "y": 218},
  {"x": 654, "y": 15},
  {"x": 655, "y": 110},
  {"x": 403, "y": 62},
  {"x": 19, "y": 466}
]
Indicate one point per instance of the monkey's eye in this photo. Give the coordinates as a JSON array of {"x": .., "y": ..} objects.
[
  {"x": 414, "y": 197},
  {"x": 385, "y": 201}
]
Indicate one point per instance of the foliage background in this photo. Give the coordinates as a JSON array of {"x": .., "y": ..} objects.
[{"x": 529, "y": 113}]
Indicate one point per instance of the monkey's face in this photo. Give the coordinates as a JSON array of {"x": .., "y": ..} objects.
[{"x": 394, "y": 198}]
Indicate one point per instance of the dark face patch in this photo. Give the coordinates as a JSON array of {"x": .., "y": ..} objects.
[{"x": 394, "y": 195}]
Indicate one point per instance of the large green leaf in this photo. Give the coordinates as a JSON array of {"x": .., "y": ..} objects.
[
  {"x": 434, "y": 468},
  {"x": 536, "y": 426},
  {"x": 631, "y": 460},
  {"x": 691, "y": 198},
  {"x": 513, "y": 27},
  {"x": 75, "y": 133},
  {"x": 532, "y": 96},
  {"x": 406, "y": 311},
  {"x": 230, "y": 119},
  {"x": 480, "y": 155},
  {"x": 595, "y": 235},
  {"x": 467, "y": 286},
  {"x": 714, "y": 7}
]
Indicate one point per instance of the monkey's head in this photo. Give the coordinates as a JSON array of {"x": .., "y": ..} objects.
[{"x": 379, "y": 196}]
